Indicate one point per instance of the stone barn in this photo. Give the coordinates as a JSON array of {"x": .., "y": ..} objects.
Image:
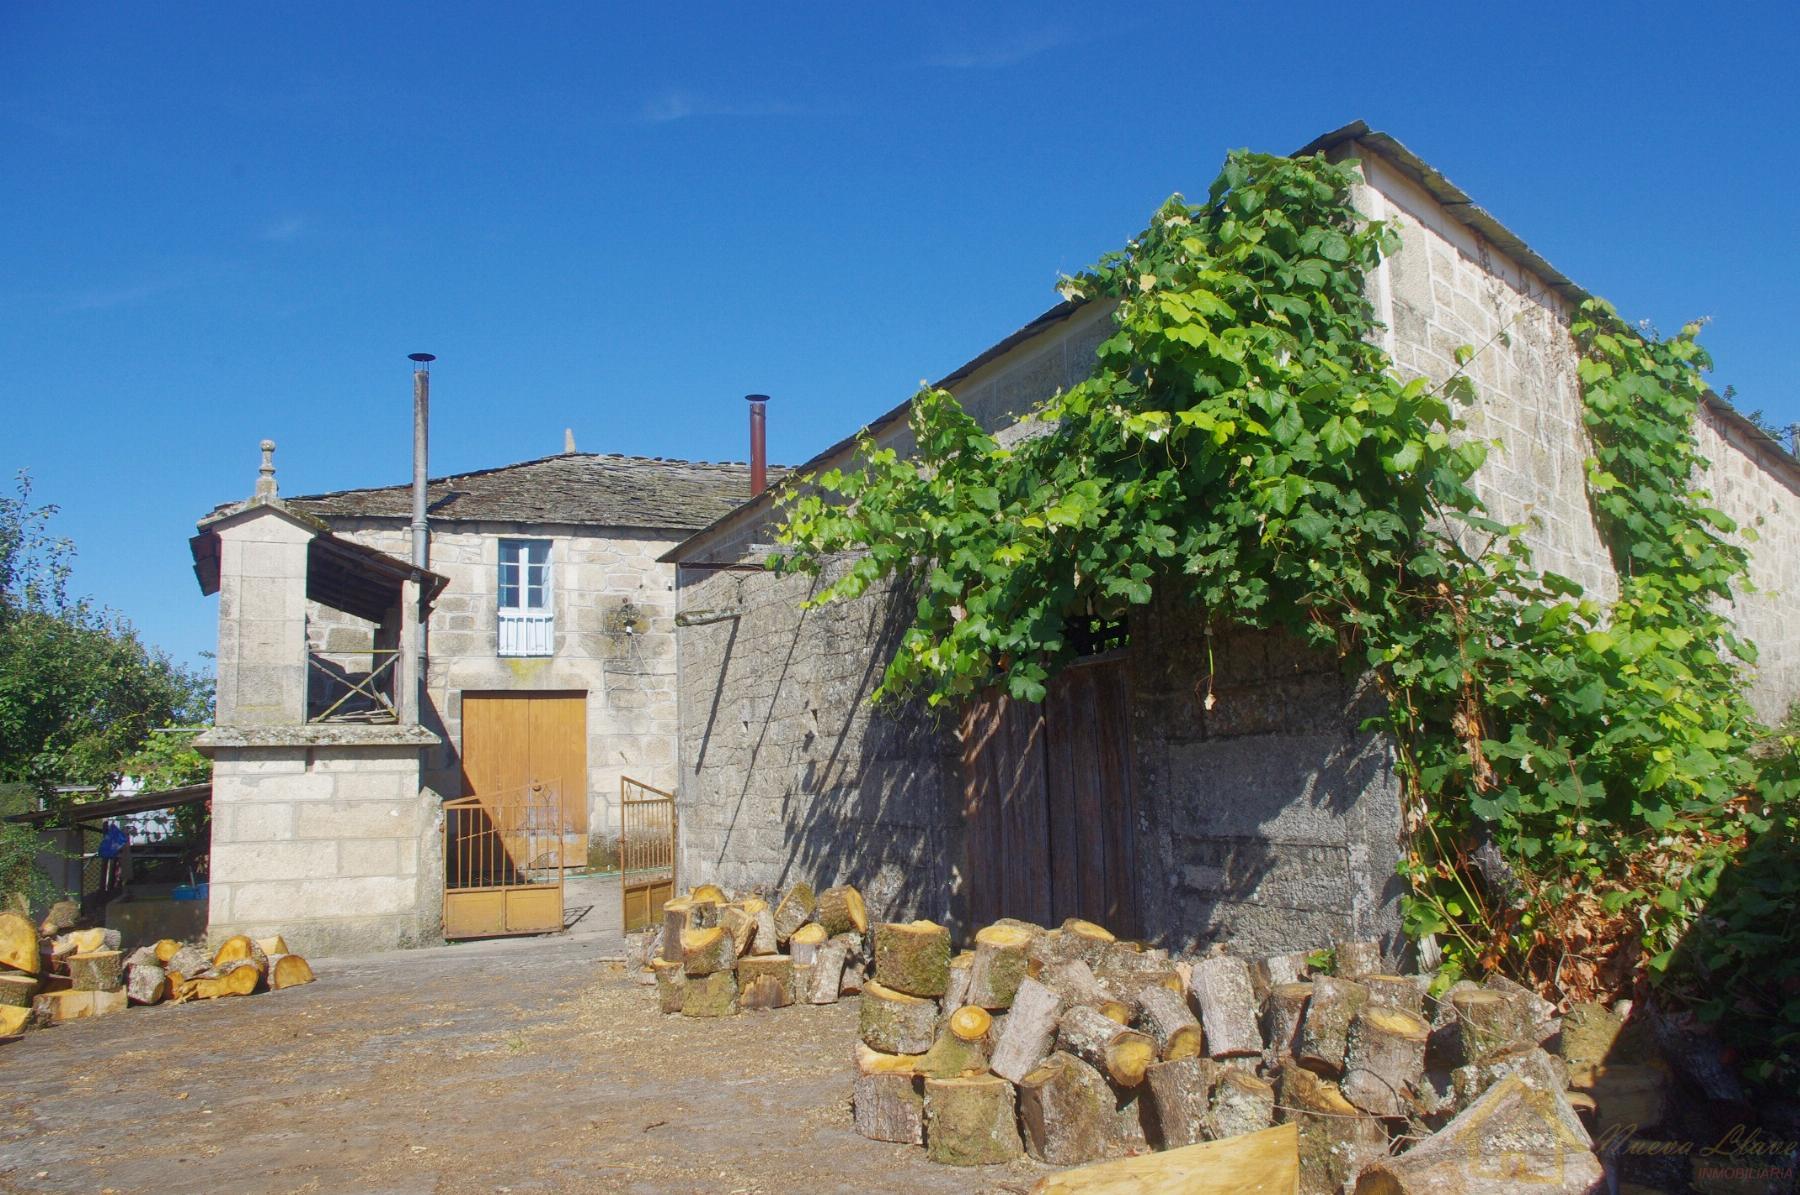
[{"x": 1265, "y": 815}]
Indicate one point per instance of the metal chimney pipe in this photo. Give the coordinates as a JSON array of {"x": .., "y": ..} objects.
[
  {"x": 759, "y": 449},
  {"x": 421, "y": 531}
]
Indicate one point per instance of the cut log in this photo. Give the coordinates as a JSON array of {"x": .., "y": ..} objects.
[
  {"x": 236, "y": 977},
  {"x": 804, "y": 942},
  {"x": 1075, "y": 982},
  {"x": 188, "y": 962},
  {"x": 887, "y": 1106},
  {"x": 85, "y": 941},
  {"x": 1180, "y": 1098},
  {"x": 1001, "y": 956},
  {"x": 1396, "y": 991},
  {"x": 1030, "y": 1029},
  {"x": 1513, "y": 1139},
  {"x": 147, "y": 983},
  {"x": 1221, "y": 987},
  {"x": 1286, "y": 968},
  {"x": 704, "y": 951},
  {"x": 1539, "y": 1014},
  {"x": 1384, "y": 1058},
  {"x": 273, "y": 946},
  {"x": 895, "y": 1022},
  {"x": 60, "y": 918},
  {"x": 1535, "y": 1067},
  {"x": 1066, "y": 1109},
  {"x": 99, "y": 971},
  {"x": 956, "y": 987},
  {"x": 288, "y": 971},
  {"x": 765, "y": 981},
  {"x": 14, "y": 1018},
  {"x": 1261, "y": 1163},
  {"x": 971, "y": 1121},
  {"x": 1489, "y": 1022},
  {"x": 1123, "y": 1054},
  {"x": 680, "y": 915},
  {"x": 1326, "y": 1032},
  {"x": 952, "y": 1055},
  {"x": 165, "y": 950},
  {"x": 1357, "y": 959},
  {"x": 711, "y": 893},
  {"x": 827, "y": 978},
  {"x": 874, "y": 1062},
  {"x": 240, "y": 948},
  {"x": 1167, "y": 1018},
  {"x": 713, "y": 995},
  {"x": 1283, "y": 1014},
  {"x": 765, "y": 940},
  {"x": 913, "y": 957},
  {"x": 18, "y": 943},
  {"x": 1117, "y": 1011},
  {"x": 1241, "y": 1103},
  {"x": 841, "y": 910},
  {"x": 794, "y": 911},
  {"x": 17, "y": 989},
  {"x": 856, "y": 976},
  {"x": 740, "y": 923},
  {"x": 143, "y": 956},
  {"x": 1335, "y": 1140}
]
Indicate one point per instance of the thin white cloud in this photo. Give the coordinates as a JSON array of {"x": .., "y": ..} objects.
[
  {"x": 1002, "y": 53},
  {"x": 284, "y": 229},
  {"x": 676, "y": 105}
]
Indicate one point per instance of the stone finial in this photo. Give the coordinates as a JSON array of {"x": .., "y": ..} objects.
[
  {"x": 265, "y": 476},
  {"x": 568, "y": 439}
]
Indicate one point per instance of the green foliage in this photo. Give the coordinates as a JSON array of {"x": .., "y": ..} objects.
[{"x": 1574, "y": 769}]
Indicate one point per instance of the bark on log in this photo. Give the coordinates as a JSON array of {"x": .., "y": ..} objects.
[
  {"x": 1123, "y": 1054},
  {"x": 827, "y": 977},
  {"x": 147, "y": 983},
  {"x": 913, "y": 957},
  {"x": 1258, "y": 1162},
  {"x": 1357, "y": 959},
  {"x": 952, "y": 1055},
  {"x": 1001, "y": 957},
  {"x": 1030, "y": 1029},
  {"x": 713, "y": 995},
  {"x": 100, "y": 971},
  {"x": 971, "y": 1121},
  {"x": 889, "y": 1107},
  {"x": 841, "y": 910},
  {"x": 740, "y": 923},
  {"x": 1488, "y": 1023},
  {"x": 61, "y": 917},
  {"x": 56, "y": 1008},
  {"x": 1535, "y": 1067},
  {"x": 956, "y": 986},
  {"x": 1335, "y": 1140},
  {"x": 765, "y": 940},
  {"x": 896, "y": 1022},
  {"x": 17, "y": 989},
  {"x": 18, "y": 943},
  {"x": 704, "y": 951},
  {"x": 1241, "y": 1103},
  {"x": 855, "y": 977},
  {"x": 1396, "y": 991},
  {"x": 1075, "y": 982},
  {"x": 1066, "y": 1109},
  {"x": 143, "y": 956},
  {"x": 237, "y": 977},
  {"x": 1384, "y": 1058},
  {"x": 1283, "y": 1014},
  {"x": 804, "y": 942},
  {"x": 1286, "y": 968},
  {"x": 765, "y": 981},
  {"x": 187, "y": 963},
  {"x": 1221, "y": 987},
  {"x": 1167, "y": 1018},
  {"x": 1180, "y": 1098},
  {"x": 241, "y": 948},
  {"x": 1540, "y": 1015},
  {"x": 1513, "y": 1139},
  {"x": 671, "y": 984},
  {"x": 1325, "y": 1034},
  {"x": 794, "y": 911}
]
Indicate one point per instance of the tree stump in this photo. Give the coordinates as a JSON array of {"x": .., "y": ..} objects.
[
  {"x": 1066, "y": 1109},
  {"x": 1336, "y": 1141},
  {"x": 671, "y": 984},
  {"x": 1169, "y": 1020},
  {"x": 1514, "y": 1138},
  {"x": 1325, "y": 1033},
  {"x": 895, "y": 1022},
  {"x": 1283, "y": 1014},
  {"x": 794, "y": 911},
  {"x": 1030, "y": 1028},
  {"x": 18, "y": 943},
  {"x": 841, "y": 910},
  {"x": 1241, "y": 1103},
  {"x": 971, "y": 1121},
  {"x": 1357, "y": 959},
  {"x": 704, "y": 951},
  {"x": 765, "y": 981},
  {"x": 1123, "y": 1054},
  {"x": 1384, "y": 1058},
  {"x": 913, "y": 957},
  {"x": 1221, "y": 987},
  {"x": 711, "y": 995},
  {"x": 1180, "y": 1099},
  {"x": 147, "y": 984},
  {"x": 887, "y": 1106},
  {"x": 827, "y": 977},
  {"x": 1001, "y": 958}
]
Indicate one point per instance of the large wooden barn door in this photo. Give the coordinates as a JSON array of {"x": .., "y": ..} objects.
[
  {"x": 1049, "y": 806},
  {"x": 512, "y": 741}
]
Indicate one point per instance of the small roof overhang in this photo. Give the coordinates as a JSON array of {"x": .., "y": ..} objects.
[{"x": 99, "y": 811}]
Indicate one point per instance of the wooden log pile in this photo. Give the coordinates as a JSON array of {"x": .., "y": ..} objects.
[
  {"x": 1078, "y": 1049},
  {"x": 53, "y": 972}
]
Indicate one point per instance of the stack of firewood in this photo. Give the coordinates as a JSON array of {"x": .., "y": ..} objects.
[{"x": 52, "y": 973}]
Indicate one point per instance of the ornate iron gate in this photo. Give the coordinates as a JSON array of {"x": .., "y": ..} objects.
[
  {"x": 503, "y": 863},
  {"x": 646, "y": 852}
]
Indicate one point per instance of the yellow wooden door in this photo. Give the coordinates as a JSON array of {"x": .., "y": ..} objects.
[{"x": 512, "y": 741}]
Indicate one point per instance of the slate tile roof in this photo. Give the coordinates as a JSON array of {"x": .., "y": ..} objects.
[{"x": 584, "y": 488}]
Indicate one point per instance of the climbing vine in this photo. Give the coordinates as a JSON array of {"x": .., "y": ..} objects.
[{"x": 1575, "y": 768}]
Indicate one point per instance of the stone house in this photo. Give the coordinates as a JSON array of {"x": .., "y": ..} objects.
[
  {"x": 548, "y": 659},
  {"x": 1265, "y": 814}
]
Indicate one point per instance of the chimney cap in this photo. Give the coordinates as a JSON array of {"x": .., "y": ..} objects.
[
  {"x": 756, "y": 398},
  {"x": 421, "y": 358}
]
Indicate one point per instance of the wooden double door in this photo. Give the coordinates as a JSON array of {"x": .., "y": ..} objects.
[
  {"x": 519, "y": 741},
  {"x": 1049, "y": 806}
]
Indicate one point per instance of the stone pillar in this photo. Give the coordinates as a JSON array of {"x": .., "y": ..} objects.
[{"x": 262, "y": 619}]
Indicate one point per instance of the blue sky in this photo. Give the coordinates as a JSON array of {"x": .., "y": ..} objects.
[{"x": 224, "y": 222}]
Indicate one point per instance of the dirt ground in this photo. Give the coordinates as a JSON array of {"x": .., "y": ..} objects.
[{"x": 501, "y": 1067}]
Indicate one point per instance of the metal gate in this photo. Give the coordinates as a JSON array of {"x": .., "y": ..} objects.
[
  {"x": 503, "y": 863},
  {"x": 646, "y": 852}
]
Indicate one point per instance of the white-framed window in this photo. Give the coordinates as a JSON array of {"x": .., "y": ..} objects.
[{"x": 527, "y": 624}]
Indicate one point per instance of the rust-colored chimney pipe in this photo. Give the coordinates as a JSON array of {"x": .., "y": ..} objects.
[{"x": 759, "y": 448}]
